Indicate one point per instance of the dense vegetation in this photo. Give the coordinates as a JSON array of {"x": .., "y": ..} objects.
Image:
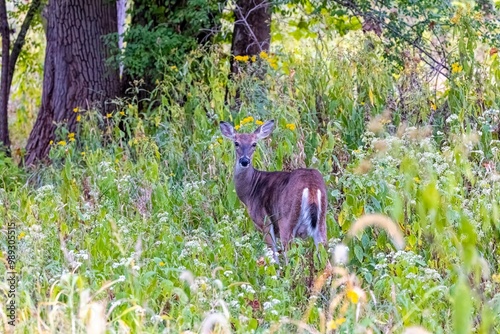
[{"x": 135, "y": 225}]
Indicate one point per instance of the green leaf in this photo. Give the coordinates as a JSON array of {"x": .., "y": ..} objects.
[
  {"x": 358, "y": 252},
  {"x": 253, "y": 324},
  {"x": 431, "y": 196},
  {"x": 462, "y": 308}
]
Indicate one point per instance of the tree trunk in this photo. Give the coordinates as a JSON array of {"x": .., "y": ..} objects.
[
  {"x": 121, "y": 7},
  {"x": 75, "y": 72},
  {"x": 4, "y": 91},
  {"x": 252, "y": 29}
]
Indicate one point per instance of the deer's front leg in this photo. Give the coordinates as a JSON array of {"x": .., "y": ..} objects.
[
  {"x": 270, "y": 238},
  {"x": 271, "y": 241},
  {"x": 264, "y": 224},
  {"x": 286, "y": 237}
]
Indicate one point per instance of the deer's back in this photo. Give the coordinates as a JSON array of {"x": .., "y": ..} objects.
[{"x": 280, "y": 193}]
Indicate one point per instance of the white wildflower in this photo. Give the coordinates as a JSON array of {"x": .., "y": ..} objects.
[{"x": 340, "y": 254}]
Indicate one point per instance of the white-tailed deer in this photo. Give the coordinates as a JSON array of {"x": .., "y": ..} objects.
[{"x": 285, "y": 204}]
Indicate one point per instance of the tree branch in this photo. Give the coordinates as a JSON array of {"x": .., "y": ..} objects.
[
  {"x": 432, "y": 62},
  {"x": 21, "y": 37},
  {"x": 4, "y": 87},
  {"x": 244, "y": 20}
]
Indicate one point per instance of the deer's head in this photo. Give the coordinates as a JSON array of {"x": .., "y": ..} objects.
[{"x": 245, "y": 143}]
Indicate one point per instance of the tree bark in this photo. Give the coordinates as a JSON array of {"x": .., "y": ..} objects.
[
  {"x": 75, "y": 71},
  {"x": 252, "y": 29},
  {"x": 4, "y": 91}
]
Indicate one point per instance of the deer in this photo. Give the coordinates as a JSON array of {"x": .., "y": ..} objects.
[{"x": 285, "y": 204}]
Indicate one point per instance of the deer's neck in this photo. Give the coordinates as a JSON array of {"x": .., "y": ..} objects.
[{"x": 245, "y": 180}]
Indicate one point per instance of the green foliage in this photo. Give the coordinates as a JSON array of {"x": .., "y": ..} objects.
[
  {"x": 136, "y": 225},
  {"x": 163, "y": 33},
  {"x": 11, "y": 177},
  {"x": 428, "y": 26}
]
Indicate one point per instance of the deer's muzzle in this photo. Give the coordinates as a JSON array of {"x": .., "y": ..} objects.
[{"x": 244, "y": 162}]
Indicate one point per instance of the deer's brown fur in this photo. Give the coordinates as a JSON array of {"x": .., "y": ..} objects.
[{"x": 285, "y": 204}]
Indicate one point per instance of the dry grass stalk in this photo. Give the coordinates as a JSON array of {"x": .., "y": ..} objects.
[{"x": 381, "y": 221}]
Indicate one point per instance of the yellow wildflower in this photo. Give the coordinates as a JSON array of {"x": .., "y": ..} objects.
[
  {"x": 83, "y": 154},
  {"x": 290, "y": 126},
  {"x": 246, "y": 120},
  {"x": 173, "y": 67},
  {"x": 108, "y": 115},
  {"x": 78, "y": 118},
  {"x": 51, "y": 142},
  {"x": 458, "y": 15},
  {"x": 236, "y": 127},
  {"x": 62, "y": 143},
  {"x": 254, "y": 58},
  {"x": 334, "y": 324},
  {"x": 433, "y": 106},
  {"x": 71, "y": 136},
  {"x": 21, "y": 235},
  {"x": 273, "y": 62},
  {"x": 263, "y": 55},
  {"x": 122, "y": 113},
  {"x": 259, "y": 122},
  {"x": 456, "y": 68},
  {"x": 416, "y": 179},
  {"x": 353, "y": 296},
  {"x": 161, "y": 264},
  {"x": 243, "y": 59},
  {"x": 76, "y": 109}
]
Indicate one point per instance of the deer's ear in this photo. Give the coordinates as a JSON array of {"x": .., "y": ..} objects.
[
  {"x": 265, "y": 129},
  {"x": 227, "y": 130}
]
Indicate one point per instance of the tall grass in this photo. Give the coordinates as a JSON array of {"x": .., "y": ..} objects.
[{"x": 136, "y": 227}]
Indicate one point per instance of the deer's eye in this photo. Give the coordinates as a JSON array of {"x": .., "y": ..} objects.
[
  {"x": 254, "y": 144},
  {"x": 236, "y": 144}
]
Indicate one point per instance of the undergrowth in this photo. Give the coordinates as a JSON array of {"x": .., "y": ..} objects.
[{"x": 136, "y": 226}]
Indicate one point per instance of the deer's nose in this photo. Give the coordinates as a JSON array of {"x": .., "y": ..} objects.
[{"x": 244, "y": 161}]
